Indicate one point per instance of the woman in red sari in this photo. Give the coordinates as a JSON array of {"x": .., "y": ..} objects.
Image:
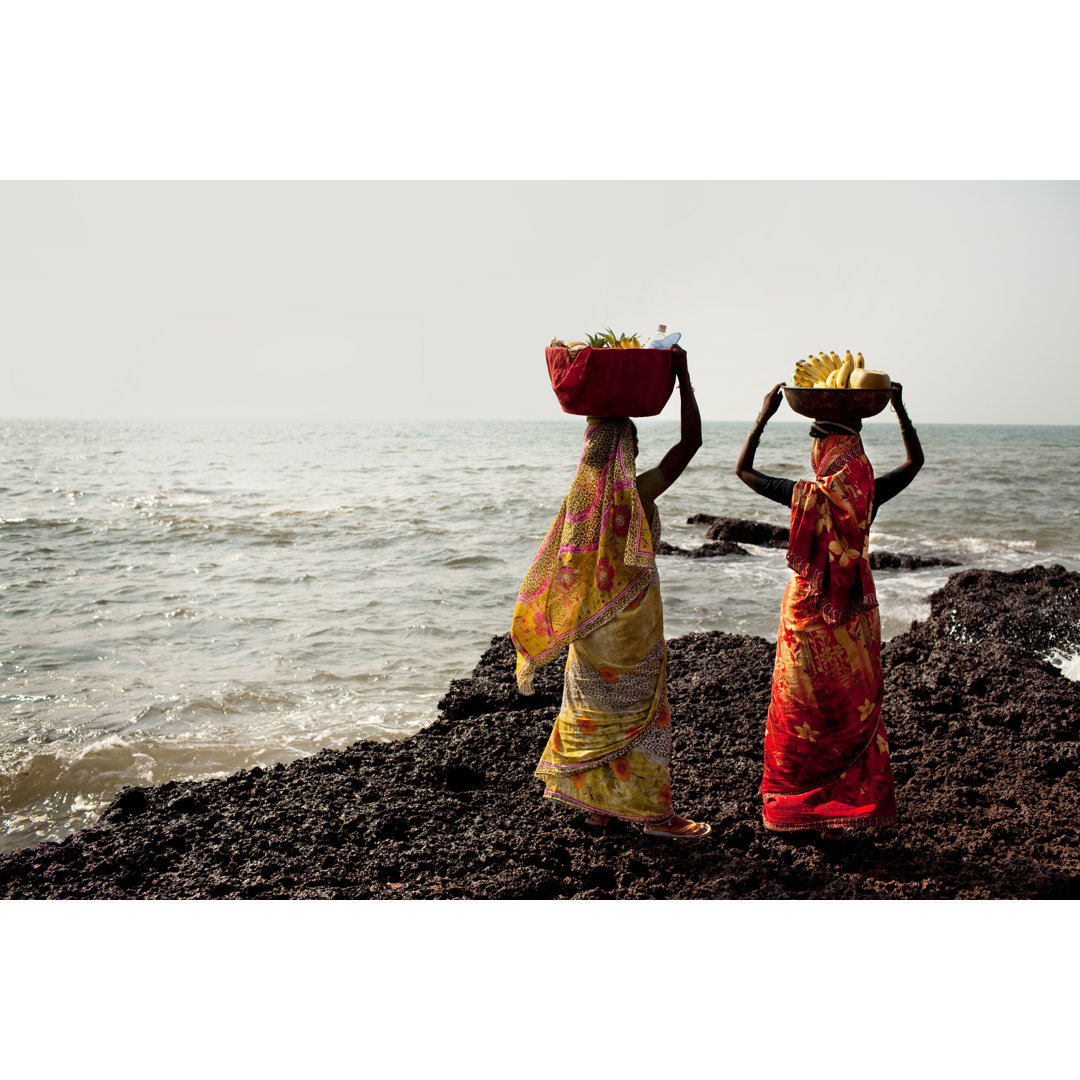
[{"x": 826, "y": 748}]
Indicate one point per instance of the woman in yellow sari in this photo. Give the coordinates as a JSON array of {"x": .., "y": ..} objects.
[{"x": 593, "y": 586}]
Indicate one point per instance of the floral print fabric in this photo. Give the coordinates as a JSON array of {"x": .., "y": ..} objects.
[
  {"x": 610, "y": 748},
  {"x": 826, "y": 748},
  {"x": 830, "y": 528},
  {"x": 596, "y": 559}
]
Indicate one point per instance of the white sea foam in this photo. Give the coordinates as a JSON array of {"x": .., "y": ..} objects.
[
  {"x": 83, "y": 804},
  {"x": 110, "y": 755},
  {"x": 993, "y": 545}
]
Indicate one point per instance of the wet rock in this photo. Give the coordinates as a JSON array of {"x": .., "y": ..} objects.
[
  {"x": 1036, "y": 609},
  {"x": 741, "y": 531},
  {"x": 885, "y": 560},
  {"x": 492, "y": 685},
  {"x": 730, "y": 531},
  {"x": 463, "y": 778},
  {"x": 129, "y": 802},
  {"x": 704, "y": 551},
  {"x": 985, "y": 738}
]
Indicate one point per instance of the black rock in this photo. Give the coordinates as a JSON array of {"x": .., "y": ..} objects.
[
  {"x": 705, "y": 551},
  {"x": 129, "y": 802},
  {"x": 742, "y": 531},
  {"x": 885, "y": 560}
]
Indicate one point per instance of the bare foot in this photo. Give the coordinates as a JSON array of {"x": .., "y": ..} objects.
[{"x": 599, "y": 820}]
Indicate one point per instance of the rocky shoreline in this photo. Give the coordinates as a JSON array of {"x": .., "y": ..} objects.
[
  {"x": 724, "y": 535},
  {"x": 986, "y": 749}
]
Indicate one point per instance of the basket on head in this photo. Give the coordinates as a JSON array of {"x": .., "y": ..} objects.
[
  {"x": 837, "y": 405},
  {"x": 611, "y": 382}
]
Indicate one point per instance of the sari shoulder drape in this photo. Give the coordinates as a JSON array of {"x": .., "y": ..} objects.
[
  {"x": 830, "y": 528},
  {"x": 596, "y": 559}
]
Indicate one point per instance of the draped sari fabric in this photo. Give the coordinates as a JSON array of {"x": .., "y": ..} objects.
[
  {"x": 597, "y": 556},
  {"x": 610, "y": 747},
  {"x": 593, "y": 586},
  {"x": 826, "y": 748}
]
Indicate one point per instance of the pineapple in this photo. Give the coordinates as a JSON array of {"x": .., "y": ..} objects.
[{"x": 608, "y": 339}]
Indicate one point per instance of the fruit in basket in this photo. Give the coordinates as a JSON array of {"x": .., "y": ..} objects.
[
  {"x": 612, "y": 382},
  {"x": 604, "y": 339},
  {"x": 846, "y": 368},
  {"x": 827, "y": 370},
  {"x": 573, "y": 347},
  {"x": 808, "y": 372},
  {"x": 868, "y": 379},
  {"x": 608, "y": 339}
]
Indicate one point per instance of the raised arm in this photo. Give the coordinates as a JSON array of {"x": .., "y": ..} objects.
[
  {"x": 912, "y": 445},
  {"x": 892, "y": 483},
  {"x": 744, "y": 467},
  {"x": 654, "y": 482}
]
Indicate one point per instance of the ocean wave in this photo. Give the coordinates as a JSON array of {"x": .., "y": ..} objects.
[
  {"x": 471, "y": 560},
  {"x": 987, "y": 545},
  {"x": 73, "y": 524},
  {"x": 112, "y": 752}
]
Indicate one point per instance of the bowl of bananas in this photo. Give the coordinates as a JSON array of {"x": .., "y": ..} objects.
[{"x": 828, "y": 388}]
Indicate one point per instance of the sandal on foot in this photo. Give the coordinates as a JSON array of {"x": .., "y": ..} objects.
[
  {"x": 692, "y": 830},
  {"x": 597, "y": 821}
]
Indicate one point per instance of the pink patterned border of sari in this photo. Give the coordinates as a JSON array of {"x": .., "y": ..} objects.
[{"x": 637, "y": 586}]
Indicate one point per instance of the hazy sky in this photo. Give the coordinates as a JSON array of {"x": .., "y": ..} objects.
[{"x": 435, "y": 299}]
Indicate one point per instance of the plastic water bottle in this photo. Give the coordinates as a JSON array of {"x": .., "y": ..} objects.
[{"x": 663, "y": 340}]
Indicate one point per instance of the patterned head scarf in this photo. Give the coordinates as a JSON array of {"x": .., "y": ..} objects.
[
  {"x": 597, "y": 556},
  {"x": 830, "y": 528}
]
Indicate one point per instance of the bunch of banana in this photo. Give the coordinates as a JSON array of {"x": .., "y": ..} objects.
[{"x": 827, "y": 370}]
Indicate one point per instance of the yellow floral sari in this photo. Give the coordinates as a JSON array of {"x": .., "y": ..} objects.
[{"x": 593, "y": 586}]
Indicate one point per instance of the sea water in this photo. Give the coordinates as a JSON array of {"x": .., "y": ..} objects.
[{"x": 182, "y": 600}]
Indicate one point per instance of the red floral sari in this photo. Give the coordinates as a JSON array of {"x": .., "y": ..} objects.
[{"x": 826, "y": 749}]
